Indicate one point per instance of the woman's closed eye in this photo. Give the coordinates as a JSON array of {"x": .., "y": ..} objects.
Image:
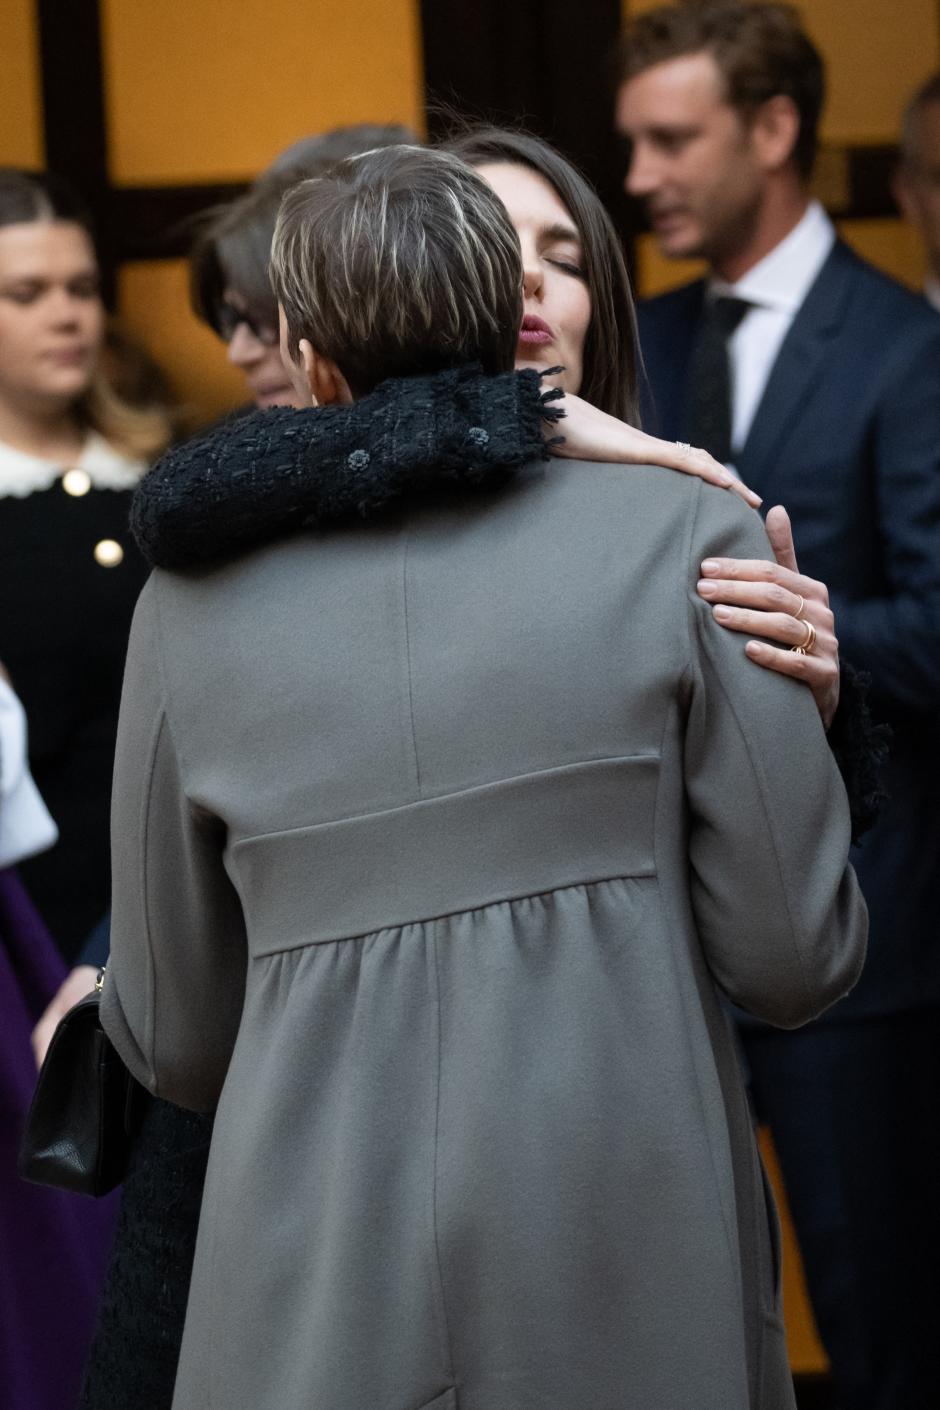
[
  {"x": 569, "y": 266},
  {"x": 22, "y": 293},
  {"x": 85, "y": 286},
  {"x": 82, "y": 286},
  {"x": 559, "y": 246}
]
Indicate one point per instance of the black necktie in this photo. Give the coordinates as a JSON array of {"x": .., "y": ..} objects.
[{"x": 710, "y": 377}]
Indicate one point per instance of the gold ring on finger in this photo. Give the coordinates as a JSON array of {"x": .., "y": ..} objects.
[
  {"x": 809, "y": 641},
  {"x": 799, "y": 611}
]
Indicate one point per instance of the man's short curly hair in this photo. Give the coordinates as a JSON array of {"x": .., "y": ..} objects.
[{"x": 396, "y": 262}]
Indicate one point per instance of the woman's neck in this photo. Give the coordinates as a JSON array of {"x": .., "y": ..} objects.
[{"x": 49, "y": 433}]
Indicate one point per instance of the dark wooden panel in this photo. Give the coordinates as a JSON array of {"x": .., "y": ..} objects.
[
  {"x": 73, "y": 109},
  {"x": 156, "y": 222},
  {"x": 542, "y": 64}
]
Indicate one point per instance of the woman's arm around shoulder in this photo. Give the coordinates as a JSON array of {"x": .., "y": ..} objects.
[{"x": 258, "y": 477}]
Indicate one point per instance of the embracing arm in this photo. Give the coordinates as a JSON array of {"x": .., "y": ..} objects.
[
  {"x": 175, "y": 982},
  {"x": 778, "y": 907},
  {"x": 260, "y": 476}
]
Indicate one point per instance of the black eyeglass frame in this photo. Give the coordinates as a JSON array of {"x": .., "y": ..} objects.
[{"x": 228, "y": 317}]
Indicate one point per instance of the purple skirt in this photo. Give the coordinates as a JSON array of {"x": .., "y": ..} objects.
[{"x": 53, "y": 1245}]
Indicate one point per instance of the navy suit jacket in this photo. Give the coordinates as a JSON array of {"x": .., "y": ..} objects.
[{"x": 847, "y": 437}]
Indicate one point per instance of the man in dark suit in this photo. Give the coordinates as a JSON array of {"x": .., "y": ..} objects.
[{"x": 818, "y": 379}]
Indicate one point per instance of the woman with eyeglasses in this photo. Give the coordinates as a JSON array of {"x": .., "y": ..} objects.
[
  {"x": 229, "y": 285},
  {"x": 230, "y": 291}
]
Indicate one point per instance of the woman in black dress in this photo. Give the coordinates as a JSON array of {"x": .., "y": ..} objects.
[{"x": 71, "y": 452}]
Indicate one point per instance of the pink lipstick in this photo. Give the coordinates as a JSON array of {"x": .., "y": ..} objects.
[{"x": 535, "y": 331}]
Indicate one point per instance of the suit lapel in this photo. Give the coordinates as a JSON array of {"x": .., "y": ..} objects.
[{"x": 797, "y": 367}]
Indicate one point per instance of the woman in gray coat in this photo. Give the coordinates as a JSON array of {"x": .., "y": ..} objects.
[{"x": 435, "y": 840}]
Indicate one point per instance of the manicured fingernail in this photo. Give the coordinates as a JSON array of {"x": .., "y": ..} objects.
[
  {"x": 755, "y": 649},
  {"x": 710, "y": 566},
  {"x": 706, "y": 588},
  {"x": 722, "y": 613}
]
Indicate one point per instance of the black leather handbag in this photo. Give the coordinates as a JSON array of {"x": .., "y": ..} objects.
[{"x": 85, "y": 1109}]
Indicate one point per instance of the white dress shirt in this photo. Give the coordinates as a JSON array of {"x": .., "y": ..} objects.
[
  {"x": 776, "y": 286},
  {"x": 932, "y": 291}
]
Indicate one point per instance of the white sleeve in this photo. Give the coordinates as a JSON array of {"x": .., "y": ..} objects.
[{"x": 25, "y": 825}]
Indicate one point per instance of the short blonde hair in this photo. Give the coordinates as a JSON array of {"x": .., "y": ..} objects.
[{"x": 399, "y": 261}]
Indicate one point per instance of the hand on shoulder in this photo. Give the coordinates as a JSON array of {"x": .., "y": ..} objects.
[
  {"x": 773, "y": 599},
  {"x": 591, "y": 434}
]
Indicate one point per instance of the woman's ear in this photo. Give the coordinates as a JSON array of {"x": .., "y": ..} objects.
[
  {"x": 308, "y": 367},
  {"x": 327, "y": 384}
]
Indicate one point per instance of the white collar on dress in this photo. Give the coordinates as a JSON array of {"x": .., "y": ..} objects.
[
  {"x": 106, "y": 468},
  {"x": 783, "y": 278}
]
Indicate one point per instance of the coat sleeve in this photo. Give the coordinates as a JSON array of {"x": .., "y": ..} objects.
[
  {"x": 777, "y": 905},
  {"x": 175, "y": 982},
  {"x": 894, "y": 633},
  {"x": 259, "y": 476}
]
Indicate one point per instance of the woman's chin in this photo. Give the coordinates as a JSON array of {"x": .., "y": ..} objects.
[{"x": 63, "y": 384}]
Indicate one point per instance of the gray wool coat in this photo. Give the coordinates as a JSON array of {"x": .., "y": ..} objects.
[{"x": 435, "y": 841}]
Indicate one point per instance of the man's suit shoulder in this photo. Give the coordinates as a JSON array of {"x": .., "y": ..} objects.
[{"x": 880, "y": 299}]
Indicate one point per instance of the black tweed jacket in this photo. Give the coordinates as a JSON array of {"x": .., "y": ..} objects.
[{"x": 257, "y": 477}]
